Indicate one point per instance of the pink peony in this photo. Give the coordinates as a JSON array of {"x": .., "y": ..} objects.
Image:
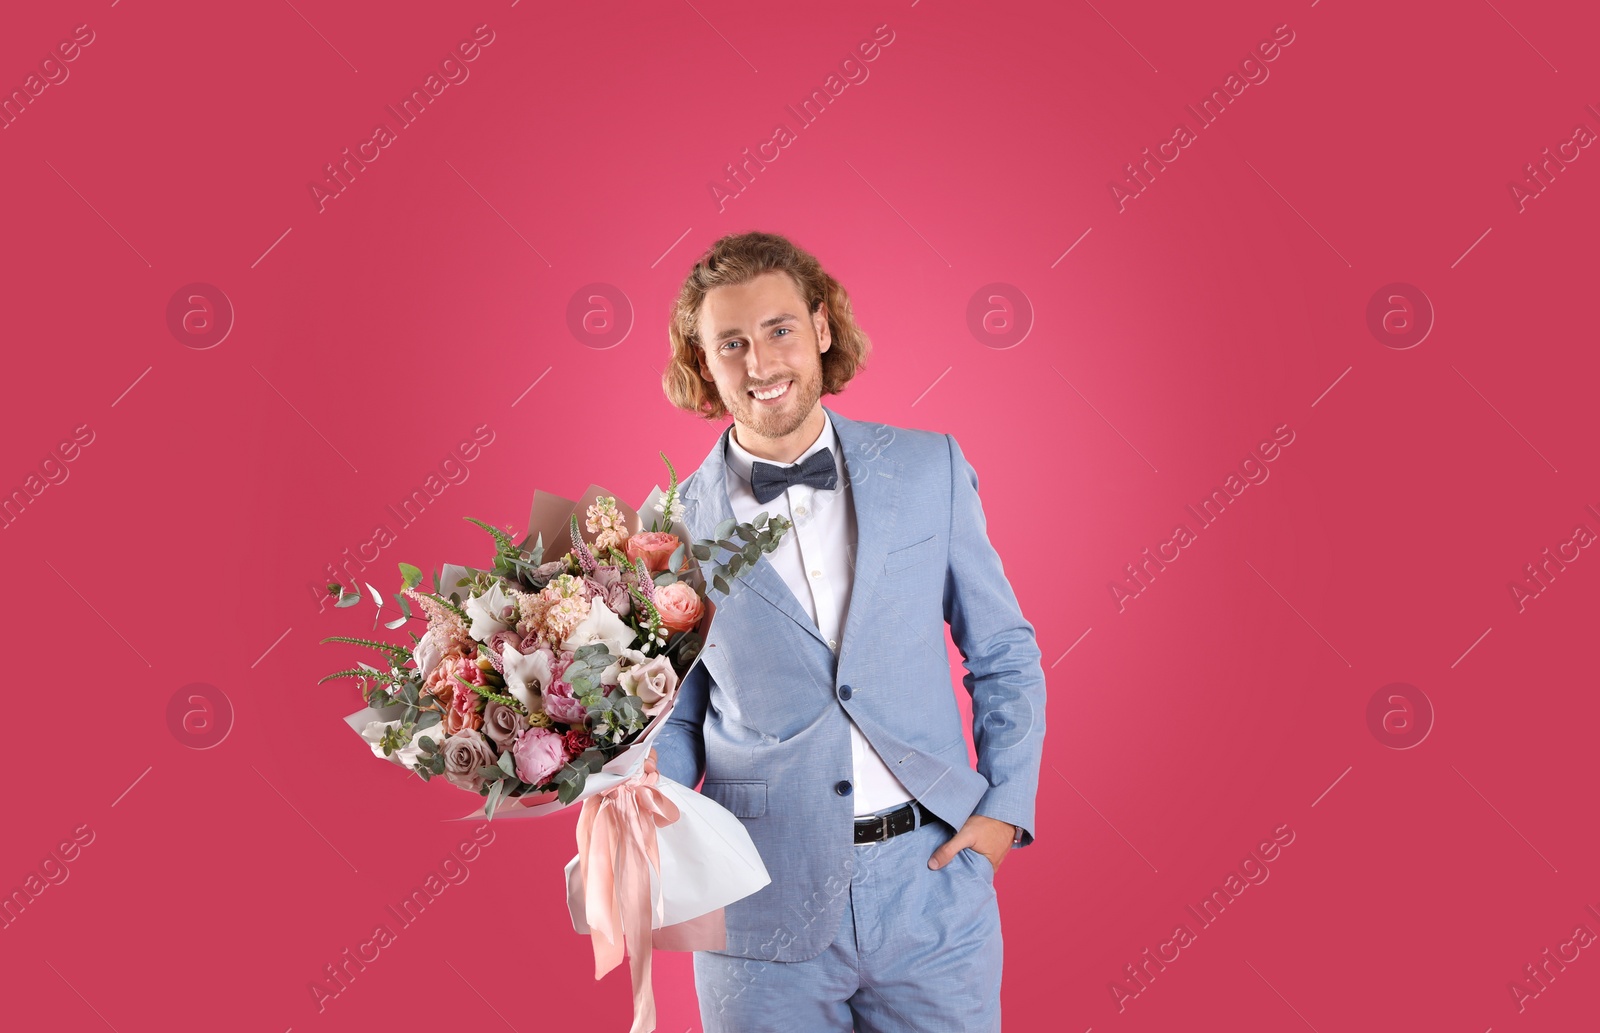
[
  {"x": 680, "y": 606},
  {"x": 539, "y": 753},
  {"x": 562, "y": 706}
]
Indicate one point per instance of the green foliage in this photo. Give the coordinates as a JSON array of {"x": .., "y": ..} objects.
[
  {"x": 501, "y": 539},
  {"x": 342, "y": 597},
  {"x": 365, "y": 672},
  {"x": 583, "y": 674},
  {"x": 510, "y": 701},
  {"x": 746, "y": 541},
  {"x": 399, "y": 653},
  {"x": 569, "y": 782}
]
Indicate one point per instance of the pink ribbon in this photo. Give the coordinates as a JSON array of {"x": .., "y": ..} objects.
[{"x": 617, "y": 851}]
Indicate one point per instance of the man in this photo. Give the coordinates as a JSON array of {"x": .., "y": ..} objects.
[{"x": 822, "y": 714}]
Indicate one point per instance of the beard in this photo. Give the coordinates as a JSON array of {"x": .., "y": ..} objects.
[{"x": 771, "y": 422}]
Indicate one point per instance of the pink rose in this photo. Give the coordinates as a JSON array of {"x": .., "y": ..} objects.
[
  {"x": 608, "y": 584},
  {"x": 539, "y": 753},
  {"x": 654, "y": 547},
  {"x": 680, "y": 606},
  {"x": 499, "y": 639}
]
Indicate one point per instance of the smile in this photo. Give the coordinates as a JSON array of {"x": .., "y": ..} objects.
[{"x": 772, "y": 394}]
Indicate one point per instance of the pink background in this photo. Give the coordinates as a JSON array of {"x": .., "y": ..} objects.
[{"x": 1164, "y": 343}]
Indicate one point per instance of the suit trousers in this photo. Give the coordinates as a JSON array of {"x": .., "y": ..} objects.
[{"x": 917, "y": 951}]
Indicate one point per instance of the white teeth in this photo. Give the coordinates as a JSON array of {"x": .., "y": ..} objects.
[{"x": 774, "y": 393}]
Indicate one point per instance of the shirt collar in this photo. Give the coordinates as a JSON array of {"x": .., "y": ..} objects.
[{"x": 739, "y": 460}]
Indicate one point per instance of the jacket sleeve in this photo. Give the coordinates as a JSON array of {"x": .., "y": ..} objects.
[
  {"x": 998, "y": 646},
  {"x": 680, "y": 748}
]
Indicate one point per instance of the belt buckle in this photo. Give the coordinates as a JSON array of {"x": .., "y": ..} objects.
[{"x": 884, "y": 833}]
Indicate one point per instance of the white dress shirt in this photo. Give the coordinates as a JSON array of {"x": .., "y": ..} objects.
[{"x": 816, "y": 560}]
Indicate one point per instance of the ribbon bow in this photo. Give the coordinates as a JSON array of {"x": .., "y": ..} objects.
[{"x": 617, "y": 851}]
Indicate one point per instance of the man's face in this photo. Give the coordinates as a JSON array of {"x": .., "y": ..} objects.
[{"x": 758, "y": 336}]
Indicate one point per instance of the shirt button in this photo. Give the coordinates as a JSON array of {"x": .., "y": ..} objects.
[
  {"x": 843, "y": 788},
  {"x": 815, "y": 572},
  {"x": 800, "y": 511},
  {"x": 833, "y": 643},
  {"x": 845, "y": 692}
]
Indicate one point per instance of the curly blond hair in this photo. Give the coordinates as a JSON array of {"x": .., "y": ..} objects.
[{"x": 739, "y": 258}]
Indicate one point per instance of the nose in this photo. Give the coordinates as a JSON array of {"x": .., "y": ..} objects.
[{"x": 761, "y": 362}]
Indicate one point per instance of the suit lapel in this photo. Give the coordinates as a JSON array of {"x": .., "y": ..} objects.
[{"x": 875, "y": 491}]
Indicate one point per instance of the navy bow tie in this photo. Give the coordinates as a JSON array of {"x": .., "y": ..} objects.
[{"x": 818, "y": 470}]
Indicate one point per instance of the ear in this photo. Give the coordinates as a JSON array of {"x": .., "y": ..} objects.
[{"x": 819, "y": 323}]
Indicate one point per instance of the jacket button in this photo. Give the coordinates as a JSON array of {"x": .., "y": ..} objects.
[
  {"x": 845, "y": 692},
  {"x": 843, "y": 788}
]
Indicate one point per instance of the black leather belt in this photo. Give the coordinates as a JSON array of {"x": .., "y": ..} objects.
[{"x": 880, "y": 827}]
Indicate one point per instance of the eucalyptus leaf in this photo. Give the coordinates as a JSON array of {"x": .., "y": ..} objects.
[
  {"x": 722, "y": 529},
  {"x": 410, "y": 576}
]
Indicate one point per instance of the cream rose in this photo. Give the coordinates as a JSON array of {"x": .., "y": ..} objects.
[
  {"x": 464, "y": 753},
  {"x": 654, "y": 683}
]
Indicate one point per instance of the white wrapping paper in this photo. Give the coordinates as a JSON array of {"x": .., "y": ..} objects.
[{"x": 707, "y": 862}]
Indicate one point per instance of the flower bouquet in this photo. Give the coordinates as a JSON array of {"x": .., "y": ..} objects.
[{"x": 540, "y": 683}]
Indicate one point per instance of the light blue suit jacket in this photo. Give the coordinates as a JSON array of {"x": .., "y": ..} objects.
[{"x": 763, "y": 715}]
